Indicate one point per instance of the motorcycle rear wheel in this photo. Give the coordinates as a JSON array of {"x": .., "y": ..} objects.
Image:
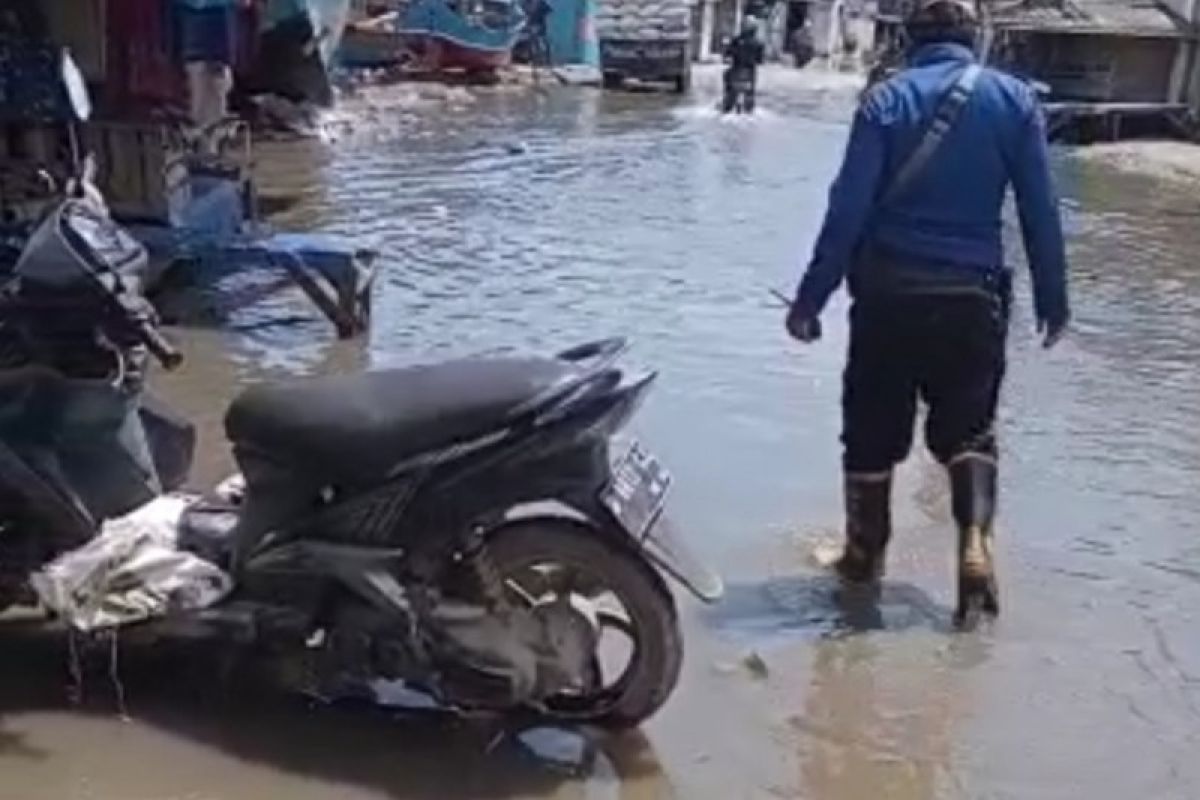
[{"x": 524, "y": 552}]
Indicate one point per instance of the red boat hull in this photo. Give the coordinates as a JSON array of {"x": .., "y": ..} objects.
[{"x": 440, "y": 52}]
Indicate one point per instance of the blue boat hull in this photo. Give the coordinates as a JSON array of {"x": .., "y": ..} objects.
[{"x": 446, "y": 40}]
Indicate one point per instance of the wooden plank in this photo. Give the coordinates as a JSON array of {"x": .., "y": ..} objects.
[{"x": 134, "y": 159}]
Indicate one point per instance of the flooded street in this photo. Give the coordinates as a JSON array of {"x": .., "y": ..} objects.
[{"x": 511, "y": 219}]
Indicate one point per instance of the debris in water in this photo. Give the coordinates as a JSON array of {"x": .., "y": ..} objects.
[
  {"x": 756, "y": 666},
  {"x": 517, "y": 149},
  {"x": 561, "y": 748},
  {"x": 397, "y": 694}
]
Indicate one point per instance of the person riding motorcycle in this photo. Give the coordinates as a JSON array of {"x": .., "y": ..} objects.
[{"x": 743, "y": 53}]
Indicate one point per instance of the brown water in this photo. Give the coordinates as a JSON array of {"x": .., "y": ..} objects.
[{"x": 516, "y": 220}]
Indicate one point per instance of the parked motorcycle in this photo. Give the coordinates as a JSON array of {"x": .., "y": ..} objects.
[
  {"x": 739, "y": 96},
  {"x": 461, "y": 526}
]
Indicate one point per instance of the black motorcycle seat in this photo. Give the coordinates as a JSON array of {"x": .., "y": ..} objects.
[{"x": 363, "y": 425}]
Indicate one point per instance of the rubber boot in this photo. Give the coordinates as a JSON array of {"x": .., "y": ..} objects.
[
  {"x": 973, "y": 495},
  {"x": 868, "y": 527}
]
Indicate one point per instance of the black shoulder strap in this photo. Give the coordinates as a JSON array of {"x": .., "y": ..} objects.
[{"x": 947, "y": 114}]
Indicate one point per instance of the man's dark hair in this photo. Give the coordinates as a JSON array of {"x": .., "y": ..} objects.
[{"x": 950, "y": 21}]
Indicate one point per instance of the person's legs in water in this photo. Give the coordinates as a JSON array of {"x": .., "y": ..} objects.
[
  {"x": 878, "y": 412},
  {"x": 966, "y": 342},
  {"x": 973, "y": 478}
]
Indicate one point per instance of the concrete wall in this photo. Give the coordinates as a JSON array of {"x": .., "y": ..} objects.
[
  {"x": 1185, "y": 77},
  {"x": 1100, "y": 68},
  {"x": 1144, "y": 69},
  {"x": 703, "y": 22},
  {"x": 836, "y": 21},
  {"x": 823, "y": 15},
  {"x": 719, "y": 21}
]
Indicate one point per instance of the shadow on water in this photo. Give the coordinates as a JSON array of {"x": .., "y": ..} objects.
[
  {"x": 392, "y": 753},
  {"x": 819, "y": 606}
]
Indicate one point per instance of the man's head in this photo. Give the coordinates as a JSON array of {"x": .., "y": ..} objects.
[
  {"x": 932, "y": 21},
  {"x": 749, "y": 27}
]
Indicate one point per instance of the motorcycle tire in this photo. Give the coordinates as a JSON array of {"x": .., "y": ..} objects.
[{"x": 653, "y": 671}]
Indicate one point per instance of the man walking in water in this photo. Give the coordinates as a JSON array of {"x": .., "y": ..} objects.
[{"x": 914, "y": 225}]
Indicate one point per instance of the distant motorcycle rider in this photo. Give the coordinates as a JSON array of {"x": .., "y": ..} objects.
[{"x": 744, "y": 53}]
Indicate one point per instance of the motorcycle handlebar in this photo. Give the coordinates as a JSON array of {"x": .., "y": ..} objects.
[
  {"x": 158, "y": 345},
  {"x": 139, "y": 319}
]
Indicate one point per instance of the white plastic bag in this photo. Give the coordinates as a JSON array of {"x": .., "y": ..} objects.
[{"x": 131, "y": 572}]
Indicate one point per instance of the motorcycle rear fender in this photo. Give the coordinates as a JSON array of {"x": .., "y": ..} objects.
[
  {"x": 668, "y": 551},
  {"x": 662, "y": 545}
]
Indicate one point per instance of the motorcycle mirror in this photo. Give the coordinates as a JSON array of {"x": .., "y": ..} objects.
[{"x": 76, "y": 86}]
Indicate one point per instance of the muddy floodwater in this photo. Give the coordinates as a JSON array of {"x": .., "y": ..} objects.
[{"x": 532, "y": 221}]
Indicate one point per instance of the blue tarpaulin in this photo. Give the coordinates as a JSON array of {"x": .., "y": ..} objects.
[{"x": 571, "y": 32}]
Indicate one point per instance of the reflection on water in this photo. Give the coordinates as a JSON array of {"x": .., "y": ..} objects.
[
  {"x": 197, "y": 734},
  {"x": 880, "y": 720},
  {"x": 535, "y": 220}
]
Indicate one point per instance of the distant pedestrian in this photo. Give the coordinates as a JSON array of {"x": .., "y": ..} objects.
[
  {"x": 803, "y": 45},
  {"x": 537, "y": 32}
]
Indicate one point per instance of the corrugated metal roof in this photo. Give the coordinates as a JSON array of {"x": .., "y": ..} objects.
[{"x": 1132, "y": 17}]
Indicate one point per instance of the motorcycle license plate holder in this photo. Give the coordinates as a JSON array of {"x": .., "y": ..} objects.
[{"x": 637, "y": 492}]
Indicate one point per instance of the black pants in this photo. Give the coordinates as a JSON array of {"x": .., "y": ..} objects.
[
  {"x": 740, "y": 73},
  {"x": 946, "y": 349}
]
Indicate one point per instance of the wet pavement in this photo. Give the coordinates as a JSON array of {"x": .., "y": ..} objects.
[{"x": 533, "y": 221}]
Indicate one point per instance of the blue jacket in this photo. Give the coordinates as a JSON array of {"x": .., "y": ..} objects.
[{"x": 951, "y": 214}]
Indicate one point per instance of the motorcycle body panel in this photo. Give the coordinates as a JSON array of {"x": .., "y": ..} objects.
[{"x": 740, "y": 91}]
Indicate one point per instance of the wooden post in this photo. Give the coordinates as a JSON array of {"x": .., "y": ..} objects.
[
  {"x": 343, "y": 293},
  {"x": 1177, "y": 88}
]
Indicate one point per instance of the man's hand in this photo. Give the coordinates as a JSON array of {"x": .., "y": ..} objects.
[
  {"x": 802, "y": 326},
  {"x": 1052, "y": 332}
]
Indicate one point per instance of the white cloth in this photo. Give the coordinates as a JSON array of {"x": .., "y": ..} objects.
[
  {"x": 208, "y": 90},
  {"x": 132, "y": 571}
]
